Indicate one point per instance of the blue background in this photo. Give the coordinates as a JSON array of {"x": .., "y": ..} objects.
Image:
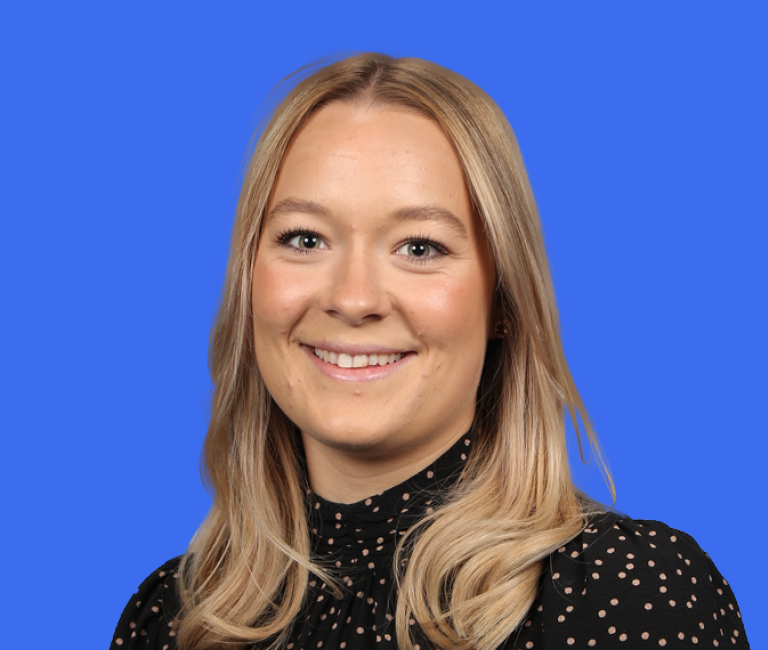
[{"x": 124, "y": 126}]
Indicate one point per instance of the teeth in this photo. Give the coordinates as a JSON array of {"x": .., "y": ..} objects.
[{"x": 357, "y": 361}]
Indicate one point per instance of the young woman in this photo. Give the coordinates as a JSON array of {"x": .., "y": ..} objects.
[{"x": 387, "y": 443}]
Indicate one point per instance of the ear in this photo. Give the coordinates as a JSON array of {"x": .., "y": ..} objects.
[{"x": 498, "y": 326}]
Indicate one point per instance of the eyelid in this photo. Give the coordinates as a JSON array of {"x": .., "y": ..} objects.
[
  {"x": 439, "y": 249},
  {"x": 284, "y": 238}
]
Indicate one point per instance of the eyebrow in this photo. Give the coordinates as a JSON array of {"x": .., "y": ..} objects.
[
  {"x": 431, "y": 213},
  {"x": 298, "y": 206},
  {"x": 408, "y": 213}
]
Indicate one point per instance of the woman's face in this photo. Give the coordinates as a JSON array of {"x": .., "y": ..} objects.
[{"x": 372, "y": 286}]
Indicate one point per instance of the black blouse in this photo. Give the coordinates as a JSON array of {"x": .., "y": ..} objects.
[{"x": 619, "y": 583}]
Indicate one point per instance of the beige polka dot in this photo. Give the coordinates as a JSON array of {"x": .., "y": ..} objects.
[
  {"x": 612, "y": 630},
  {"x": 648, "y": 606},
  {"x": 360, "y": 630},
  {"x": 614, "y": 601},
  {"x": 560, "y": 618},
  {"x": 118, "y": 641},
  {"x": 672, "y": 603},
  {"x": 623, "y": 637},
  {"x": 570, "y": 640},
  {"x": 601, "y": 613},
  {"x": 662, "y": 642},
  {"x": 644, "y": 636},
  {"x": 591, "y": 643}
]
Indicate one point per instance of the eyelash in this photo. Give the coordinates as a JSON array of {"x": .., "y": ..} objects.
[
  {"x": 439, "y": 247},
  {"x": 284, "y": 237}
]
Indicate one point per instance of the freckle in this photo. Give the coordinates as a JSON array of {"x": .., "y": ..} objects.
[{"x": 358, "y": 393}]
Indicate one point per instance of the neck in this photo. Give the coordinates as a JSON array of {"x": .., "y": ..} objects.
[{"x": 351, "y": 475}]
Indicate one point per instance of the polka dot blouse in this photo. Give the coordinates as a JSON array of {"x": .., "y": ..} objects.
[{"x": 620, "y": 583}]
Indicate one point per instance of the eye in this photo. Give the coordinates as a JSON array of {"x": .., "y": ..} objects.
[
  {"x": 302, "y": 241},
  {"x": 421, "y": 250}
]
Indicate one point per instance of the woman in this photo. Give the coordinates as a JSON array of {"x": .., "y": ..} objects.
[{"x": 387, "y": 442}]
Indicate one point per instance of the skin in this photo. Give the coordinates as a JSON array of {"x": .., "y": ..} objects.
[{"x": 337, "y": 268}]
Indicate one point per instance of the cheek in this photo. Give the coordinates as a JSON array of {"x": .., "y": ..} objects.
[
  {"x": 278, "y": 299},
  {"x": 455, "y": 311}
]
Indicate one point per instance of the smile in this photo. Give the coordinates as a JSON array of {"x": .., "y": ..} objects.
[{"x": 343, "y": 360}]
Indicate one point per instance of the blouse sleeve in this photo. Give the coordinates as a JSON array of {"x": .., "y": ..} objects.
[
  {"x": 624, "y": 581},
  {"x": 146, "y": 622}
]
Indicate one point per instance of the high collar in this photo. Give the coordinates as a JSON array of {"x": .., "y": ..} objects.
[{"x": 363, "y": 536}]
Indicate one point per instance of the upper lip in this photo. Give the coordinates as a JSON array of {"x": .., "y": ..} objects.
[{"x": 353, "y": 348}]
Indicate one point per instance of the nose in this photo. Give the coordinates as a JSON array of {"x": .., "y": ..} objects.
[{"x": 355, "y": 293}]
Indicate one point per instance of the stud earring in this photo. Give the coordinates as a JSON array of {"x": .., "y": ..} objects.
[{"x": 501, "y": 329}]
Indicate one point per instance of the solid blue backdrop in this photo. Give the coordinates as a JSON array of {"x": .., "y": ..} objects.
[{"x": 123, "y": 134}]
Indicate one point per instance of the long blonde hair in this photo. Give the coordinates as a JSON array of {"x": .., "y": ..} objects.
[{"x": 246, "y": 573}]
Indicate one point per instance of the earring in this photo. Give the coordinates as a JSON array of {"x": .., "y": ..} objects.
[{"x": 501, "y": 329}]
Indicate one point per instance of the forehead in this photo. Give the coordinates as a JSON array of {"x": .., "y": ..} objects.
[{"x": 370, "y": 160}]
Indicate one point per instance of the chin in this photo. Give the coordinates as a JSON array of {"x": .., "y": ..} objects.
[{"x": 353, "y": 435}]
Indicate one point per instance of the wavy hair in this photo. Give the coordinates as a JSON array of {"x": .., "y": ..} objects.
[{"x": 245, "y": 575}]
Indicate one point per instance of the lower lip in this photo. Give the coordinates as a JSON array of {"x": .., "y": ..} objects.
[{"x": 369, "y": 373}]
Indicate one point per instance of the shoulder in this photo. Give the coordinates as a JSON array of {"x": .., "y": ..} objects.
[
  {"x": 634, "y": 580},
  {"x": 146, "y": 619}
]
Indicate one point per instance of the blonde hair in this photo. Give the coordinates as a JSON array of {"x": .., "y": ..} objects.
[{"x": 246, "y": 573}]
